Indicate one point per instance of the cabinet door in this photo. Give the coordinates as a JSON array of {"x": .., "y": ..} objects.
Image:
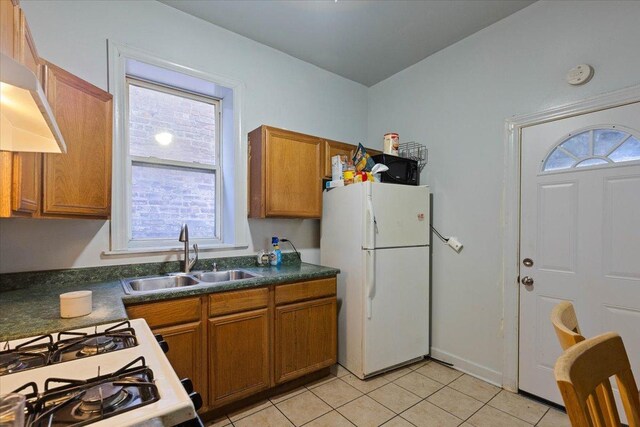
[
  {"x": 25, "y": 188},
  {"x": 8, "y": 28},
  {"x": 78, "y": 183},
  {"x": 19, "y": 183},
  {"x": 187, "y": 353},
  {"x": 334, "y": 148},
  {"x": 238, "y": 356},
  {"x": 305, "y": 338},
  {"x": 27, "y": 54},
  {"x": 292, "y": 173}
]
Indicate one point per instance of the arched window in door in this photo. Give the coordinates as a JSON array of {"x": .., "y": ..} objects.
[{"x": 604, "y": 145}]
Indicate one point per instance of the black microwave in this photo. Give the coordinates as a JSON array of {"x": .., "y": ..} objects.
[{"x": 401, "y": 170}]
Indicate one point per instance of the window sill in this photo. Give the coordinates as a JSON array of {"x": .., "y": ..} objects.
[{"x": 177, "y": 249}]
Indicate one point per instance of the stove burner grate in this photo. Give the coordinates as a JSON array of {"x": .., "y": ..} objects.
[
  {"x": 97, "y": 345},
  {"x": 78, "y": 403},
  {"x": 10, "y": 363},
  {"x": 70, "y": 345},
  {"x": 103, "y": 397}
]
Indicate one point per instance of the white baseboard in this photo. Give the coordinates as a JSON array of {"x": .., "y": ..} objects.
[{"x": 468, "y": 367}]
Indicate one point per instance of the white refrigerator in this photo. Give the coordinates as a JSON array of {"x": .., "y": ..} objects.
[{"x": 378, "y": 236}]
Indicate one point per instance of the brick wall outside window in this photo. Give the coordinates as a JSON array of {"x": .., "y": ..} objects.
[{"x": 164, "y": 197}]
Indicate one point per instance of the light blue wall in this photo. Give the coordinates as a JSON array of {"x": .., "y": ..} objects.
[{"x": 456, "y": 102}]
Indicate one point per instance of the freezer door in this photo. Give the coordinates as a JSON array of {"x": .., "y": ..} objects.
[
  {"x": 401, "y": 216},
  {"x": 396, "y": 318}
]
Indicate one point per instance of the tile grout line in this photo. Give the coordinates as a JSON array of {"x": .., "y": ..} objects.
[
  {"x": 422, "y": 400},
  {"x": 384, "y": 406},
  {"x": 543, "y": 415},
  {"x": 285, "y": 416},
  {"x": 515, "y": 416},
  {"x": 248, "y": 415},
  {"x": 336, "y": 408}
]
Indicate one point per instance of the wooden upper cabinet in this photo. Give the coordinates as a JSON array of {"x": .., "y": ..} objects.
[
  {"x": 25, "y": 183},
  {"x": 20, "y": 184},
  {"x": 9, "y": 19},
  {"x": 78, "y": 183},
  {"x": 27, "y": 53},
  {"x": 285, "y": 172},
  {"x": 335, "y": 148}
]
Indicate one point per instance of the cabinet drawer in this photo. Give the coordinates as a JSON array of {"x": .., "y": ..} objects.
[
  {"x": 294, "y": 292},
  {"x": 236, "y": 301},
  {"x": 166, "y": 313}
]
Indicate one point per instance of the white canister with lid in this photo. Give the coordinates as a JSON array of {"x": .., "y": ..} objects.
[
  {"x": 391, "y": 143},
  {"x": 75, "y": 304}
]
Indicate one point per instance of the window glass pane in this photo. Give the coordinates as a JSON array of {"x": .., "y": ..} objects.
[
  {"x": 558, "y": 160},
  {"x": 578, "y": 145},
  {"x": 628, "y": 151},
  {"x": 591, "y": 162},
  {"x": 171, "y": 127},
  {"x": 605, "y": 139},
  {"x": 163, "y": 198}
]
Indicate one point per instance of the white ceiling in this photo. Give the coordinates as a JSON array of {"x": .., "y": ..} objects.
[{"x": 365, "y": 41}]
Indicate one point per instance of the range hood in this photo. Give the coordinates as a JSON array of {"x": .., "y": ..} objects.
[{"x": 26, "y": 120}]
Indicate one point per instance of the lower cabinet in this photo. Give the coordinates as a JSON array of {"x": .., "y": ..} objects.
[
  {"x": 238, "y": 343},
  {"x": 305, "y": 338},
  {"x": 238, "y": 356},
  {"x": 186, "y": 352},
  {"x": 180, "y": 323}
]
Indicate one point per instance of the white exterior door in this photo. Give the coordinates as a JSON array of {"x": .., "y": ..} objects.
[{"x": 580, "y": 227}]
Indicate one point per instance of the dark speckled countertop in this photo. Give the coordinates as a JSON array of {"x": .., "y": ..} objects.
[{"x": 34, "y": 310}]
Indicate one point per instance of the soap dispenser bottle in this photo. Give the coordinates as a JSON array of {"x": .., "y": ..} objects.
[{"x": 275, "y": 257}]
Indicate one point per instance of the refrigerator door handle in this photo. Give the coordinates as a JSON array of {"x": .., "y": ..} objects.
[
  {"x": 371, "y": 280},
  {"x": 372, "y": 227}
]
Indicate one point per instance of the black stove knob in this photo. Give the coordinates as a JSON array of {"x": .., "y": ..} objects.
[
  {"x": 164, "y": 346},
  {"x": 187, "y": 384},
  {"x": 162, "y": 343},
  {"x": 196, "y": 399}
]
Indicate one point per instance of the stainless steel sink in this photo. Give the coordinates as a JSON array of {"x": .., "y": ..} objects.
[
  {"x": 178, "y": 280},
  {"x": 223, "y": 276},
  {"x": 149, "y": 284}
]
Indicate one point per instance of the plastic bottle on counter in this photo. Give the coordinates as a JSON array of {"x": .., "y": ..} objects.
[{"x": 275, "y": 257}]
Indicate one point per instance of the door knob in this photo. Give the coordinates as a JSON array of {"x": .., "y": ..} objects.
[{"x": 527, "y": 281}]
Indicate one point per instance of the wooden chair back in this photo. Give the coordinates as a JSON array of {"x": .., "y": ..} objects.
[
  {"x": 565, "y": 322},
  {"x": 586, "y": 367}
]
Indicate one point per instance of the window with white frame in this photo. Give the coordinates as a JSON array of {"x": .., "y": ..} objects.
[
  {"x": 174, "y": 155},
  {"x": 179, "y": 155}
]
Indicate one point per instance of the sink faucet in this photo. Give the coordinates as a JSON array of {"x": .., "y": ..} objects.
[{"x": 184, "y": 237}]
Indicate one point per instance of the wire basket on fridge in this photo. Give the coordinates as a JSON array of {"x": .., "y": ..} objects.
[{"x": 413, "y": 150}]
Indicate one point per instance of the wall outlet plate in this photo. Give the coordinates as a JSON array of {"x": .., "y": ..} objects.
[{"x": 455, "y": 244}]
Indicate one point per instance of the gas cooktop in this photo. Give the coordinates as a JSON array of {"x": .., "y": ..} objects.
[
  {"x": 82, "y": 377},
  {"x": 80, "y": 402},
  {"x": 70, "y": 345}
]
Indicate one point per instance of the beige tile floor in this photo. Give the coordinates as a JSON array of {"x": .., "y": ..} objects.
[{"x": 426, "y": 394}]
